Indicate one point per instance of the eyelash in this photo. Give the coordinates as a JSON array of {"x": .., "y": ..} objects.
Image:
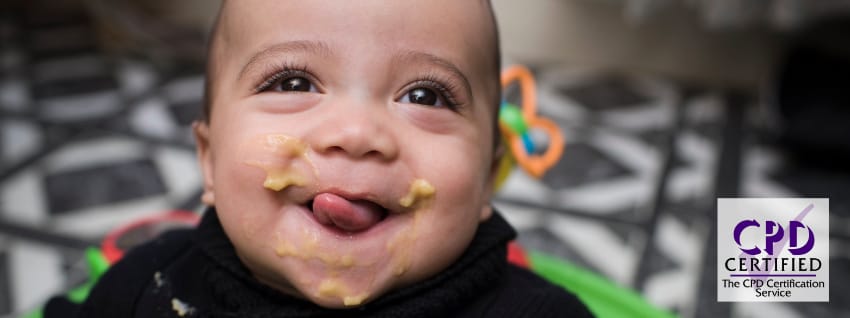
[
  {"x": 444, "y": 87},
  {"x": 282, "y": 72}
]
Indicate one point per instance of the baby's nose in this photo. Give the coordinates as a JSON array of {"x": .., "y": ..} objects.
[{"x": 358, "y": 134}]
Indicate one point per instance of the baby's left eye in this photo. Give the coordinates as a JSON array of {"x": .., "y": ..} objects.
[
  {"x": 422, "y": 96},
  {"x": 295, "y": 84}
]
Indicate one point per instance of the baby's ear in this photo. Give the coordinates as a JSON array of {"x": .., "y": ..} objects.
[
  {"x": 486, "y": 211},
  {"x": 201, "y": 131},
  {"x": 490, "y": 186}
]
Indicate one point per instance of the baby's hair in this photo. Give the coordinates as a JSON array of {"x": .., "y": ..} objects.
[{"x": 496, "y": 57}]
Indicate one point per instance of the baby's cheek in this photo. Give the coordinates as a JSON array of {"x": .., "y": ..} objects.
[
  {"x": 463, "y": 190},
  {"x": 442, "y": 235},
  {"x": 260, "y": 166},
  {"x": 401, "y": 247},
  {"x": 282, "y": 158},
  {"x": 444, "y": 229}
]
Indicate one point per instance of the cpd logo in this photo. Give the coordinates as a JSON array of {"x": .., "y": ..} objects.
[
  {"x": 774, "y": 233},
  {"x": 773, "y": 249}
]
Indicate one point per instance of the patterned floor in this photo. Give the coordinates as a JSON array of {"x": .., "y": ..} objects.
[{"x": 90, "y": 140}]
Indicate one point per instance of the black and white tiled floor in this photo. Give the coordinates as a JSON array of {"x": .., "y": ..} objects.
[
  {"x": 91, "y": 140},
  {"x": 88, "y": 141},
  {"x": 634, "y": 196}
]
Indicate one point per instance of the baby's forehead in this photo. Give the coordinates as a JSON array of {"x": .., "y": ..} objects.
[
  {"x": 248, "y": 24},
  {"x": 462, "y": 31}
]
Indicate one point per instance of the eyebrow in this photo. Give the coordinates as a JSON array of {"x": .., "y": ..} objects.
[
  {"x": 416, "y": 56},
  {"x": 314, "y": 47}
]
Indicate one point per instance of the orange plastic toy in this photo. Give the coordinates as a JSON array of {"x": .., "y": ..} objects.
[{"x": 515, "y": 127}]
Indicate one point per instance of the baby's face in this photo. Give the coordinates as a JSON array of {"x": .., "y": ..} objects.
[{"x": 350, "y": 143}]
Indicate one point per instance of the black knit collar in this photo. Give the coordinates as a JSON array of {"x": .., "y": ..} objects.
[{"x": 238, "y": 294}]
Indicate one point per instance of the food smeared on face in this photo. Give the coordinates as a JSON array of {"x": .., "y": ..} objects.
[
  {"x": 311, "y": 251},
  {"x": 277, "y": 157},
  {"x": 333, "y": 288},
  {"x": 343, "y": 265},
  {"x": 420, "y": 190},
  {"x": 323, "y": 97}
]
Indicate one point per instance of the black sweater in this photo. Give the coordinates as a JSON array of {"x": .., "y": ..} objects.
[{"x": 196, "y": 273}]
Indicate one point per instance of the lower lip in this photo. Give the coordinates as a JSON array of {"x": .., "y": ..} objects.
[{"x": 337, "y": 232}]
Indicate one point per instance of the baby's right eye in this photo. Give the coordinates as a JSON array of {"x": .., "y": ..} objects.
[
  {"x": 288, "y": 81},
  {"x": 291, "y": 84}
]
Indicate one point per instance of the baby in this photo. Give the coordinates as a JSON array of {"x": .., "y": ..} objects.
[{"x": 348, "y": 152}]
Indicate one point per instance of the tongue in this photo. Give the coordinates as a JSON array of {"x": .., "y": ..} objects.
[{"x": 351, "y": 216}]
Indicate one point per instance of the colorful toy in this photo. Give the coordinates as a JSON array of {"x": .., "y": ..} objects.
[
  {"x": 516, "y": 124},
  {"x": 602, "y": 297}
]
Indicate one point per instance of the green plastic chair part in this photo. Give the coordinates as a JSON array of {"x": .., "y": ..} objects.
[
  {"x": 34, "y": 314},
  {"x": 97, "y": 266},
  {"x": 602, "y": 297}
]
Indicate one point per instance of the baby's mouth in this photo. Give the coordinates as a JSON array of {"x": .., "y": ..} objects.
[{"x": 347, "y": 215}]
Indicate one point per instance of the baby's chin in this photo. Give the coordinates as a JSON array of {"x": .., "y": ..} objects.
[
  {"x": 329, "y": 267},
  {"x": 329, "y": 287}
]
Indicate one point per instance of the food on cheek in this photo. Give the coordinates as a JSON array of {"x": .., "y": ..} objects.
[
  {"x": 277, "y": 154},
  {"x": 419, "y": 195},
  {"x": 285, "y": 145},
  {"x": 279, "y": 179},
  {"x": 420, "y": 190}
]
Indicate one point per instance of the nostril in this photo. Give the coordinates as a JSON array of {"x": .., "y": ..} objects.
[
  {"x": 373, "y": 154},
  {"x": 335, "y": 149},
  {"x": 354, "y": 152}
]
